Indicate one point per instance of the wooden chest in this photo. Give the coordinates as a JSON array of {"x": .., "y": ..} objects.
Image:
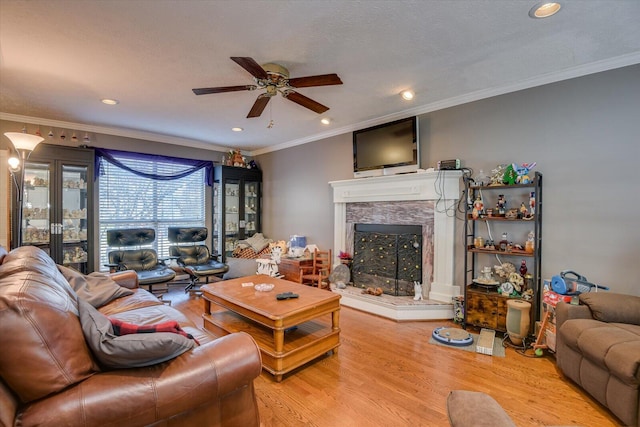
[{"x": 290, "y": 267}]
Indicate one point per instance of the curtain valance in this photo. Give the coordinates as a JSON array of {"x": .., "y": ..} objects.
[{"x": 190, "y": 166}]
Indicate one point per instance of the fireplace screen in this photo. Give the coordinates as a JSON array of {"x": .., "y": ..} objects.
[{"x": 388, "y": 257}]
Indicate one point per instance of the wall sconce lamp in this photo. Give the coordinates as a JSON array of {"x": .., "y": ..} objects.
[{"x": 24, "y": 144}]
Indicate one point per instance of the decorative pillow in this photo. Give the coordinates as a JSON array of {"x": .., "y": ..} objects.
[
  {"x": 258, "y": 242},
  {"x": 96, "y": 288},
  {"x": 127, "y": 351}
]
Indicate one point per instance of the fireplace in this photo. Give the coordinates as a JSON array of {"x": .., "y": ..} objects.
[
  {"x": 388, "y": 257},
  {"x": 424, "y": 199}
]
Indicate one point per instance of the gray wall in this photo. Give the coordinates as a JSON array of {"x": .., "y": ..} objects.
[{"x": 583, "y": 133}]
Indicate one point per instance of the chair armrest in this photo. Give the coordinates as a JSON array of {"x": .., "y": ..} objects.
[
  {"x": 115, "y": 267},
  {"x": 566, "y": 311},
  {"x": 125, "y": 278},
  {"x": 200, "y": 377}
]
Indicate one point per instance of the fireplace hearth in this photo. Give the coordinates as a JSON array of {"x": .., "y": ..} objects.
[
  {"x": 426, "y": 199},
  {"x": 387, "y": 256}
]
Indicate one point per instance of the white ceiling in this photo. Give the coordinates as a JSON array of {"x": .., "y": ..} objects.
[{"x": 59, "y": 58}]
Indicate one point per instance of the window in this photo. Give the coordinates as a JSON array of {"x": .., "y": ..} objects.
[{"x": 129, "y": 201}]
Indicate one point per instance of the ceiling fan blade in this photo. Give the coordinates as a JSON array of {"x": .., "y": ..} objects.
[
  {"x": 208, "y": 90},
  {"x": 305, "y": 102},
  {"x": 320, "y": 80},
  {"x": 258, "y": 106},
  {"x": 251, "y": 66}
]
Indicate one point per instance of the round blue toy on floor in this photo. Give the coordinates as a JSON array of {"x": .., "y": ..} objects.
[{"x": 452, "y": 336}]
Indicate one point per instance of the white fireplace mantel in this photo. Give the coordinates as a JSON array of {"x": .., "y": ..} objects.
[{"x": 441, "y": 187}]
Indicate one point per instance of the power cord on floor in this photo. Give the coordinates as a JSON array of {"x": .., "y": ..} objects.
[{"x": 520, "y": 349}]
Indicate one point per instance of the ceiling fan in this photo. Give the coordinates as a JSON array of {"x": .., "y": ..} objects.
[{"x": 275, "y": 78}]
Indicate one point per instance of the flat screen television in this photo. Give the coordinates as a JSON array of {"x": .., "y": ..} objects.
[{"x": 386, "y": 149}]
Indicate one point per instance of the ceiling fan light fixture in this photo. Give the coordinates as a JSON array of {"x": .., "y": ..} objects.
[
  {"x": 407, "y": 95},
  {"x": 110, "y": 101},
  {"x": 544, "y": 9}
]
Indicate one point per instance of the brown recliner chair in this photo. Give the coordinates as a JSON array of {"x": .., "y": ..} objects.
[
  {"x": 132, "y": 255},
  {"x": 192, "y": 256}
]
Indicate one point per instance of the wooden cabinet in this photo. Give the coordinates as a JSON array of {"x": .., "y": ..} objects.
[
  {"x": 290, "y": 267},
  {"x": 503, "y": 224},
  {"x": 486, "y": 309},
  {"x": 236, "y": 207},
  {"x": 58, "y": 205}
]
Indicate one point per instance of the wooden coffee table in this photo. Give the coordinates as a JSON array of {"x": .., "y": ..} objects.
[{"x": 289, "y": 332}]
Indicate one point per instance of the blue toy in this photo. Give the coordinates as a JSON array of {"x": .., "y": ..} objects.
[{"x": 523, "y": 172}]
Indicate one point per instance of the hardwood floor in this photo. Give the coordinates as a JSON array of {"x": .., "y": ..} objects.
[{"x": 387, "y": 374}]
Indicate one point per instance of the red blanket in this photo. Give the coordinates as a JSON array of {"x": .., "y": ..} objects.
[{"x": 124, "y": 328}]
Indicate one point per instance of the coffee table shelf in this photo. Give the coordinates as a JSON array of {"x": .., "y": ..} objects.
[{"x": 289, "y": 333}]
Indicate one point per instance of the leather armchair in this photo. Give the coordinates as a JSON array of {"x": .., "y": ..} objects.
[
  {"x": 194, "y": 258},
  {"x": 151, "y": 271}
]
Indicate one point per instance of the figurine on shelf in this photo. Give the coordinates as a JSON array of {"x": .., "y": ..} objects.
[
  {"x": 478, "y": 208},
  {"x": 523, "y": 268},
  {"x": 523, "y": 172},
  {"x": 497, "y": 174},
  {"x": 502, "y": 246},
  {"x": 532, "y": 203},
  {"x": 524, "y": 212},
  {"x": 501, "y": 205},
  {"x": 529, "y": 245},
  {"x": 510, "y": 175}
]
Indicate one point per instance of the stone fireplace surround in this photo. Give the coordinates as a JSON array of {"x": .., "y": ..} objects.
[{"x": 442, "y": 189}]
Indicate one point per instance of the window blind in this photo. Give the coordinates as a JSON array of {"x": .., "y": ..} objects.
[{"x": 129, "y": 201}]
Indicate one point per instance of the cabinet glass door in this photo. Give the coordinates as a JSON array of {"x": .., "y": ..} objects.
[
  {"x": 232, "y": 215},
  {"x": 35, "y": 225},
  {"x": 217, "y": 218},
  {"x": 74, "y": 216},
  {"x": 251, "y": 208}
]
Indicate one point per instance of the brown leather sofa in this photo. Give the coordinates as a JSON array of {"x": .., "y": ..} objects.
[
  {"x": 598, "y": 347},
  {"x": 49, "y": 375}
]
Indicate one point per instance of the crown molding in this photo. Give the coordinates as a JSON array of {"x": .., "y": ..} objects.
[
  {"x": 540, "y": 80},
  {"x": 543, "y": 79},
  {"x": 106, "y": 130}
]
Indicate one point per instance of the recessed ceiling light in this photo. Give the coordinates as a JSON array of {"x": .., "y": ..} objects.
[
  {"x": 236, "y": 129},
  {"x": 544, "y": 9},
  {"x": 407, "y": 95},
  {"x": 325, "y": 120},
  {"x": 109, "y": 101}
]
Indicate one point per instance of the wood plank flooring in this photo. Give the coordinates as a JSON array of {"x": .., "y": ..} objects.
[{"x": 387, "y": 374}]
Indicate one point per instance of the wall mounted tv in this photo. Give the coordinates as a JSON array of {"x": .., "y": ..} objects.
[{"x": 386, "y": 149}]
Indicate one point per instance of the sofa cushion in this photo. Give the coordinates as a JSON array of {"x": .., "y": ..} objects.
[
  {"x": 240, "y": 267},
  {"x": 38, "y": 315},
  {"x": 613, "y": 346},
  {"x": 128, "y": 351},
  {"x": 97, "y": 289},
  {"x": 138, "y": 299},
  {"x": 610, "y": 307}
]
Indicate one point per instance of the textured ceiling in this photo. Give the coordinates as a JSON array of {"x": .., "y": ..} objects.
[{"x": 59, "y": 58}]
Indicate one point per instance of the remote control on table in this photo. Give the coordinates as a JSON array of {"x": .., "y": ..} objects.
[{"x": 286, "y": 295}]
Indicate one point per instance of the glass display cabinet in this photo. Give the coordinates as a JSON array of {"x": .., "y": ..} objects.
[
  {"x": 236, "y": 207},
  {"x": 57, "y": 205}
]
